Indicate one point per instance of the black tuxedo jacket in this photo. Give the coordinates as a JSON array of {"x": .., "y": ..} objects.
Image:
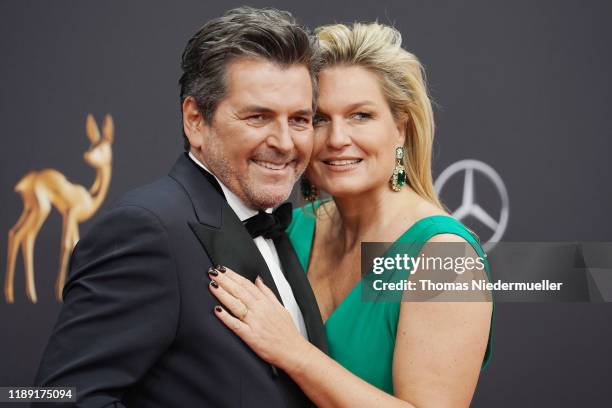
[{"x": 137, "y": 328}]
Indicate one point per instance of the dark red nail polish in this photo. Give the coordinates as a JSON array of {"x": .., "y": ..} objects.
[
  {"x": 218, "y": 309},
  {"x": 220, "y": 268},
  {"x": 213, "y": 272},
  {"x": 214, "y": 284}
]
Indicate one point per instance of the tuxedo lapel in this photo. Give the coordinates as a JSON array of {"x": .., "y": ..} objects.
[
  {"x": 302, "y": 291},
  {"x": 218, "y": 229},
  {"x": 232, "y": 246}
]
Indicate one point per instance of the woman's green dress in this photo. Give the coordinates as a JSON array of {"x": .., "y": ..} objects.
[{"x": 361, "y": 334}]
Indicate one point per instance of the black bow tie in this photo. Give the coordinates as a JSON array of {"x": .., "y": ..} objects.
[{"x": 270, "y": 226}]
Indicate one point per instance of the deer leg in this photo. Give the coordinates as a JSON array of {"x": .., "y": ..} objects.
[
  {"x": 69, "y": 236},
  {"x": 15, "y": 236},
  {"x": 39, "y": 216},
  {"x": 75, "y": 235}
]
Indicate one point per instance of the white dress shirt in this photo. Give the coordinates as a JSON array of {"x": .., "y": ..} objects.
[{"x": 268, "y": 252}]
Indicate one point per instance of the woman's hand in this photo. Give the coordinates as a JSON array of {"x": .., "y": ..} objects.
[{"x": 258, "y": 318}]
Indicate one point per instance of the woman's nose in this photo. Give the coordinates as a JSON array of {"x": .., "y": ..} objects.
[{"x": 338, "y": 136}]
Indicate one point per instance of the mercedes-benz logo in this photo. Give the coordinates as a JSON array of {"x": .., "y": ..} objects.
[{"x": 469, "y": 206}]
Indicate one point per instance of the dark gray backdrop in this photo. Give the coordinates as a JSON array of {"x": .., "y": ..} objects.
[{"x": 523, "y": 86}]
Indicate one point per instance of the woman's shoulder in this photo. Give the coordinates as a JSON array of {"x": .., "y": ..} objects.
[
  {"x": 434, "y": 224},
  {"x": 441, "y": 228},
  {"x": 440, "y": 233}
]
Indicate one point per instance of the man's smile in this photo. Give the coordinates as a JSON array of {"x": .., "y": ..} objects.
[{"x": 274, "y": 167}]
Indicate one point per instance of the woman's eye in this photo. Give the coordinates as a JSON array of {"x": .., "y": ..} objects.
[
  {"x": 361, "y": 115},
  {"x": 318, "y": 119}
]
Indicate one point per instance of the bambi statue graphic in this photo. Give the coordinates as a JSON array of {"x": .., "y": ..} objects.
[{"x": 40, "y": 190}]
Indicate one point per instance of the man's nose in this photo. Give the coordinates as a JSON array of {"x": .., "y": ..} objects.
[{"x": 281, "y": 138}]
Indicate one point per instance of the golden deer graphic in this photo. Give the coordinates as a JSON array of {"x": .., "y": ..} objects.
[{"x": 42, "y": 189}]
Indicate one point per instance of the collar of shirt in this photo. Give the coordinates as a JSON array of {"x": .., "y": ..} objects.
[{"x": 242, "y": 211}]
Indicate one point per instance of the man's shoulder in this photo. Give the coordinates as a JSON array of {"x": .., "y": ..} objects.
[
  {"x": 154, "y": 193},
  {"x": 164, "y": 198}
]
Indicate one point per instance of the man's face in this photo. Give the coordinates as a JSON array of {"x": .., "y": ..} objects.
[{"x": 260, "y": 138}]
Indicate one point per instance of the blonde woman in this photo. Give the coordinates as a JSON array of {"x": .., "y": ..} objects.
[{"x": 372, "y": 153}]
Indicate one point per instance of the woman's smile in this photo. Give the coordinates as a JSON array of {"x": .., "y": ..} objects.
[{"x": 341, "y": 164}]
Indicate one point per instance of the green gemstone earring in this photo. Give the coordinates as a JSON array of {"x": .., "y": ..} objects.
[
  {"x": 309, "y": 191},
  {"x": 398, "y": 179}
]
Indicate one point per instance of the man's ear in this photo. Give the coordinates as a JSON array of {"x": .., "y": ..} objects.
[{"x": 193, "y": 123}]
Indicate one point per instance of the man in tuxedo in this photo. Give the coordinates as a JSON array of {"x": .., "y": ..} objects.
[{"x": 137, "y": 327}]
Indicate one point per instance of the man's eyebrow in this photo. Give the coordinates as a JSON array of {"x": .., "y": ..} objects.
[
  {"x": 254, "y": 109},
  {"x": 263, "y": 109},
  {"x": 303, "y": 112}
]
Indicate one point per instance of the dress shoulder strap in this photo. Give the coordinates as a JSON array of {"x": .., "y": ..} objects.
[{"x": 424, "y": 229}]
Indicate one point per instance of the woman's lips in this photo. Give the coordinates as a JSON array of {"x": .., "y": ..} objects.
[{"x": 342, "y": 164}]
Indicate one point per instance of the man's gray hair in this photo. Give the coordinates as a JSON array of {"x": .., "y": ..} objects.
[{"x": 266, "y": 33}]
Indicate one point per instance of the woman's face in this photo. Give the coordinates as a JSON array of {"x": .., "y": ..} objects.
[{"x": 355, "y": 133}]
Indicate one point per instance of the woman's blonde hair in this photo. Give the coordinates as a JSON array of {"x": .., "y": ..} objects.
[{"x": 377, "y": 47}]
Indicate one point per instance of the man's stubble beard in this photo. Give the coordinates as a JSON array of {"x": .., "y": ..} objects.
[{"x": 241, "y": 184}]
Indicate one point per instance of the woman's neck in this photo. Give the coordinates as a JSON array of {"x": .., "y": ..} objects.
[{"x": 369, "y": 216}]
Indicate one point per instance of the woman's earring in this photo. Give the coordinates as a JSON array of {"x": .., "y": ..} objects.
[
  {"x": 398, "y": 179},
  {"x": 309, "y": 191}
]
